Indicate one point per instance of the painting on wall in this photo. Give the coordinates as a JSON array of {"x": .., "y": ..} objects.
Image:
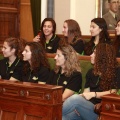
[{"x": 110, "y": 11}]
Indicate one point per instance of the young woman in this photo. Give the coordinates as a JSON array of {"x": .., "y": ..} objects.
[
  {"x": 71, "y": 30},
  {"x": 98, "y": 29},
  {"x": 47, "y": 36},
  {"x": 100, "y": 80},
  {"x": 67, "y": 72},
  {"x": 117, "y": 40},
  {"x": 36, "y": 68},
  {"x": 11, "y": 65}
]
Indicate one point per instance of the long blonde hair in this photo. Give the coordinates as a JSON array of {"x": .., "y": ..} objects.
[{"x": 72, "y": 63}]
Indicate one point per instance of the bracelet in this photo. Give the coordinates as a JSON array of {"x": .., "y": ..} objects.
[{"x": 95, "y": 95}]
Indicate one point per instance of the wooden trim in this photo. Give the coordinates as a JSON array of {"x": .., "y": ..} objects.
[
  {"x": 118, "y": 59},
  {"x": 112, "y": 36},
  {"x": 8, "y": 10},
  {"x": 87, "y": 58},
  {"x": 80, "y": 57},
  {"x": 25, "y": 4},
  {"x": 49, "y": 55}
]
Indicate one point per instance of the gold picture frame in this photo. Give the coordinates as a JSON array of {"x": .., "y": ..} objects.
[{"x": 101, "y": 9}]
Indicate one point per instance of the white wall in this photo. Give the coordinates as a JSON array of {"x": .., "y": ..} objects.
[
  {"x": 43, "y": 9},
  {"x": 61, "y": 13},
  {"x": 83, "y": 11}
]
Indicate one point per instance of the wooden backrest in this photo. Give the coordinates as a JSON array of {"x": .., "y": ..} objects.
[{"x": 88, "y": 37}]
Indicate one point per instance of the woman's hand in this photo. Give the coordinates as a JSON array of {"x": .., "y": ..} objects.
[
  {"x": 88, "y": 95},
  {"x": 36, "y": 38}
]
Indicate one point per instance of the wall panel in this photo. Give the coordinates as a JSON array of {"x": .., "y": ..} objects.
[{"x": 26, "y": 29}]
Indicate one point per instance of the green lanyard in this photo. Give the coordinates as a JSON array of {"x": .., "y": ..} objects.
[
  {"x": 58, "y": 78},
  {"x": 82, "y": 53},
  {"x": 29, "y": 75},
  {"x": 93, "y": 48},
  {"x": 11, "y": 64},
  {"x": 49, "y": 40},
  {"x": 98, "y": 80}
]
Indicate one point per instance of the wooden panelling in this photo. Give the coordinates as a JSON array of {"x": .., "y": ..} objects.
[
  {"x": 9, "y": 19},
  {"x": 26, "y": 28},
  {"x": 29, "y": 101}
]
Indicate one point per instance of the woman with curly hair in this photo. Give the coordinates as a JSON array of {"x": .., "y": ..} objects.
[
  {"x": 36, "y": 67},
  {"x": 71, "y": 30},
  {"x": 99, "y": 33},
  {"x": 47, "y": 36},
  {"x": 67, "y": 71},
  {"x": 117, "y": 40},
  {"x": 100, "y": 80}
]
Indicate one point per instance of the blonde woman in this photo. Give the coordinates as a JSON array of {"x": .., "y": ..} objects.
[{"x": 67, "y": 72}]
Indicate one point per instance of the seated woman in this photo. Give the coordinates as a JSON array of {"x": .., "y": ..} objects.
[
  {"x": 47, "y": 36},
  {"x": 71, "y": 30},
  {"x": 11, "y": 65},
  {"x": 36, "y": 68},
  {"x": 116, "y": 43},
  {"x": 99, "y": 33},
  {"x": 67, "y": 72},
  {"x": 100, "y": 80}
]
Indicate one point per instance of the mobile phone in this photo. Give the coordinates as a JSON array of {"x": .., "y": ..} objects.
[{"x": 39, "y": 32}]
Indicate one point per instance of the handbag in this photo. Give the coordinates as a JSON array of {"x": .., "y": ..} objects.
[{"x": 98, "y": 108}]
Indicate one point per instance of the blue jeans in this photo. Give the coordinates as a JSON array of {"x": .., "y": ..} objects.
[{"x": 78, "y": 108}]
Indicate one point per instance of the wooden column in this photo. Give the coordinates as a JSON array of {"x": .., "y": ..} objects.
[{"x": 26, "y": 28}]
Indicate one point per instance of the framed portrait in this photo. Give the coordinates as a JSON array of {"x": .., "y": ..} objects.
[{"x": 106, "y": 10}]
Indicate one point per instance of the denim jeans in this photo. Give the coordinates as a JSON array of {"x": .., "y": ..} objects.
[{"x": 78, "y": 108}]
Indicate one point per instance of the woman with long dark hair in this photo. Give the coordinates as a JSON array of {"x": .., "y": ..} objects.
[
  {"x": 99, "y": 33},
  {"x": 47, "y": 36},
  {"x": 36, "y": 68}
]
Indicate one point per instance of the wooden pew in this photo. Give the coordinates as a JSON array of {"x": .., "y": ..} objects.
[
  {"x": 110, "y": 107},
  {"x": 29, "y": 101}
]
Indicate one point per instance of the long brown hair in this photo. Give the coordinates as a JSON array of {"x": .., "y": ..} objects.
[
  {"x": 38, "y": 57},
  {"x": 74, "y": 30},
  {"x": 105, "y": 65}
]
